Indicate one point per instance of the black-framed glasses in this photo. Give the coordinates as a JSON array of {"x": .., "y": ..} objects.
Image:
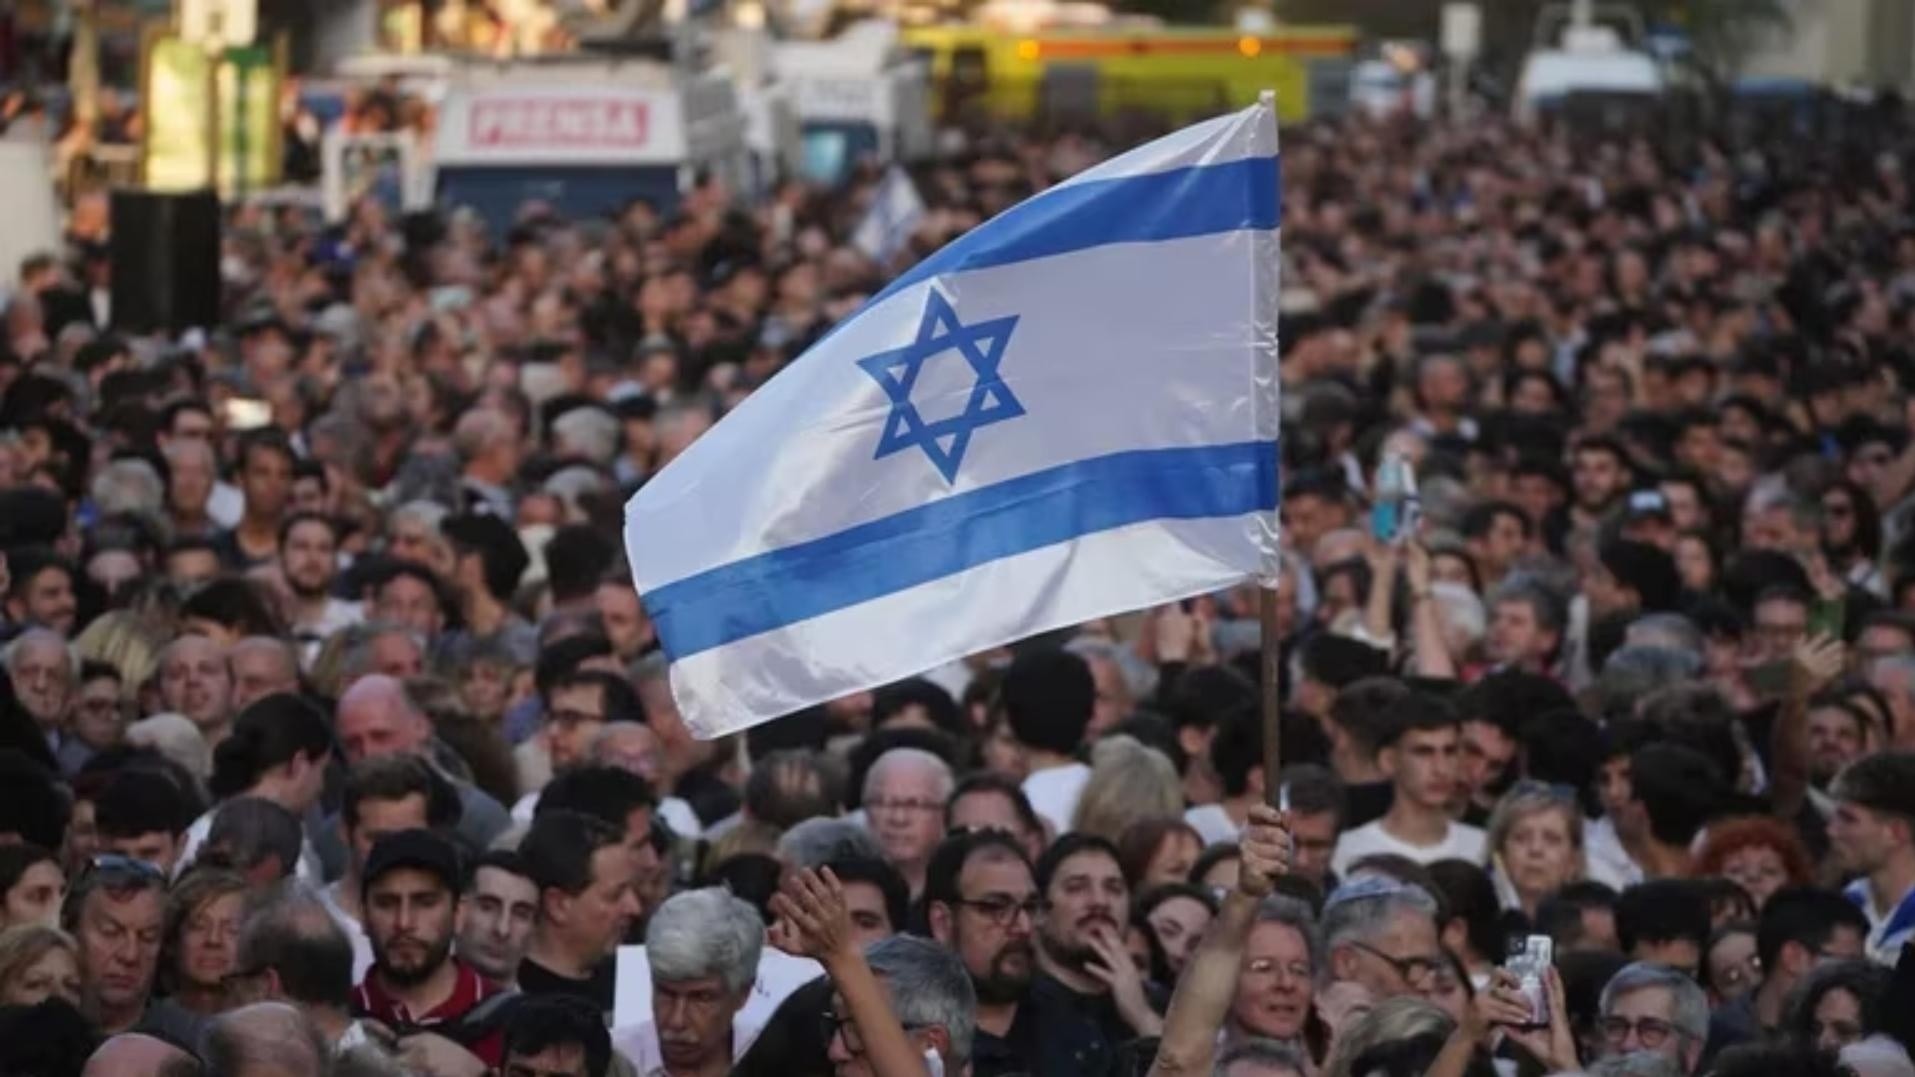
[
  {"x": 836, "y": 1024},
  {"x": 1001, "y": 911},
  {"x": 1651, "y": 1032},
  {"x": 1414, "y": 970}
]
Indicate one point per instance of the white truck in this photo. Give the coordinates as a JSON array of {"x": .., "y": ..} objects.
[
  {"x": 857, "y": 95},
  {"x": 587, "y": 135}
]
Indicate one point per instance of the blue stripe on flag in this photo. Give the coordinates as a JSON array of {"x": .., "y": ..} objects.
[
  {"x": 1183, "y": 202},
  {"x": 949, "y": 536}
]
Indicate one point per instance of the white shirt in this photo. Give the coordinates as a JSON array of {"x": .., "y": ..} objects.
[
  {"x": 1053, "y": 793},
  {"x": 1609, "y": 863},
  {"x": 1213, "y": 824},
  {"x": 677, "y": 814},
  {"x": 355, "y": 933},
  {"x": 312, "y": 636},
  {"x": 1463, "y": 842},
  {"x": 225, "y": 505}
]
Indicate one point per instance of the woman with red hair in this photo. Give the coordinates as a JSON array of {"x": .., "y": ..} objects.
[{"x": 1759, "y": 854}]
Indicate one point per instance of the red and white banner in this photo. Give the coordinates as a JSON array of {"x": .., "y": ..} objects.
[{"x": 559, "y": 125}]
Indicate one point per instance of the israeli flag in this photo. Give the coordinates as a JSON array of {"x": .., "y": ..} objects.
[
  {"x": 896, "y": 210},
  {"x": 1069, "y": 412}
]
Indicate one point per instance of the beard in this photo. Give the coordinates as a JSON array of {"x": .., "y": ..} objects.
[
  {"x": 1008, "y": 979},
  {"x": 404, "y": 972},
  {"x": 1069, "y": 952},
  {"x": 306, "y": 592}
]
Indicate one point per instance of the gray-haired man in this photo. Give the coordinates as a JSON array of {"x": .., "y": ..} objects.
[{"x": 1648, "y": 1007}]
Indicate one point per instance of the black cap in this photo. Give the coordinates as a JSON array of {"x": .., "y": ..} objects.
[
  {"x": 421, "y": 849},
  {"x": 497, "y": 545}
]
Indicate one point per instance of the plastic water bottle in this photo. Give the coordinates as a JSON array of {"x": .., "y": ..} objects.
[{"x": 1392, "y": 494}]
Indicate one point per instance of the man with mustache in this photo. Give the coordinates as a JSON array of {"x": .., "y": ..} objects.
[
  {"x": 411, "y": 889},
  {"x": 1086, "y": 997}
]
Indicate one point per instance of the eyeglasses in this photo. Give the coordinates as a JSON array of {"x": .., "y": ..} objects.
[
  {"x": 836, "y": 1025},
  {"x": 1002, "y": 911},
  {"x": 1650, "y": 1032},
  {"x": 571, "y": 718},
  {"x": 908, "y": 806},
  {"x": 1414, "y": 970}
]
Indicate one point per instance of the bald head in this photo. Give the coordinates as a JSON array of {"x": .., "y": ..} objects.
[
  {"x": 135, "y": 1055},
  {"x": 376, "y": 717},
  {"x": 266, "y": 1039}
]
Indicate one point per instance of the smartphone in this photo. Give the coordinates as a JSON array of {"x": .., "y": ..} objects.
[
  {"x": 1770, "y": 680},
  {"x": 1529, "y": 959}
]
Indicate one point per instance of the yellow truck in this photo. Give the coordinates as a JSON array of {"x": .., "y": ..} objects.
[{"x": 1177, "y": 73}]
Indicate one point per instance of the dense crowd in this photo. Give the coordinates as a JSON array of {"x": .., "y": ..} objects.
[{"x": 336, "y": 740}]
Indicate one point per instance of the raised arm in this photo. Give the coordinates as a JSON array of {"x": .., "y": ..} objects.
[
  {"x": 814, "y": 922},
  {"x": 1209, "y": 983}
]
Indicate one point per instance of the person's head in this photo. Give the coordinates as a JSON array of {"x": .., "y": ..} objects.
[
  {"x": 116, "y": 911},
  {"x": 135, "y": 1053},
  {"x": 1259, "y": 1058},
  {"x": 1382, "y": 935},
  {"x": 1156, "y": 852},
  {"x": 262, "y": 666},
  {"x": 390, "y": 794},
  {"x": 203, "y": 916},
  {"x": 1759, "y": 853},
  {"x": 266, "y": 474},
  {"x": 292, "y": 949},
  {"x": 1651, "y": 1007},
  {"x": 45, "y": 672},
  {"x": 196, "y": 681},
  {"x": 309, "y": 554},
  {"x": 1129, "y": 782},
  {"x": 1276, "y": 980},
  {"x": 143, "y": 814},
  {"x": 257, "y": 837},
  {"x": 981, "y": 900},
  {"x": 1313, "y": 505},
  {"x": 579, "y": 706},
  {"x": 1781, "y": 622},
  {"x": 1526, "y": 623},
  {"x": 1419, "y": 752},
  {"x": 1838, "y": 1003},
  {"x": 279, "y": 748},
  {"x": 1730, "y": 968},
  {"x": 1599, "y": 473},
  {"x": 408, "y": 595},
  {"x": 42, "y": 592},
  {"x": 1665, "y": 921},
  {"x": 702, "y": 947},
  {"x": 904, "y": 796},
  {"x": 930, "y": 995},
  {"x": 1085, "y": 896},
  {"x": 1581, "y": 917},
  {"x": 32, "y": 885},
  {"x": 410, "y": 892},
  {"x": 1802, "y": 927},
  {"x": 1537, "y": 833},
  {"x": 620, "y": 799},
  {"x": 1172, "y": 918},
  {"x": 496, "y": 914},
  {"x": 985, "y": 800},
  {"x": 1838, "y": 732},
  {"x": 1048, "y": 696},
  {"x": 267, "y": 1038},
  {"x": 375, "y": 717},
  {"x": 817, "y": 842},
  {"x": 1874, "y": 822},
  {"x": 1678, "y": 790},
  {"x": 876, "y": 897},
  {"x": 38, "y": 962},
  {"x": 555, "y": 1036},
  {"x": 487, "y": 554},
  {"x": 627, "y": 627},
  {"x": 584, "y": 871}
]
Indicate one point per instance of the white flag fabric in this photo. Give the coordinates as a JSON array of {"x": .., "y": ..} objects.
[
  {"x": 1066, "y": 413},
  {"x": 895, "y": 213}
]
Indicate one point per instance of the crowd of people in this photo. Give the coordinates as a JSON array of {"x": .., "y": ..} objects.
[{"x": 337, "y": 741}]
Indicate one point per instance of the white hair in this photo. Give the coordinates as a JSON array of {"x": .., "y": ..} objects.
[
  {"x": 1689, "y": 1007},
  {"x": 929, "y": 988},
  {"x": 819, "y": 841},
  {"x": 701, "y": 933},
  {"x": 175, "y": 737},
  {"x": 41, "y": 635},
  {"x": 590, "y": 432},
  {"x": 910, "y": 757},
  {"x": 128, "y": 486}
]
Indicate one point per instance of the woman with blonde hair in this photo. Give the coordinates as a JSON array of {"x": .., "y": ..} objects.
[
  {"x": 1128, "y": 783},
  {"x": 1535, "y": 838},
  {"x": 200, "y": 944},
  {"x": 37, "y": 963}
]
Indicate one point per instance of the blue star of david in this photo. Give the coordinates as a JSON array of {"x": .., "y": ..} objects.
[{"x": 991, "y": 401}]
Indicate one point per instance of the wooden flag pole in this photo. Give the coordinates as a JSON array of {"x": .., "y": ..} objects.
[{"x": 1269, "y": 667}]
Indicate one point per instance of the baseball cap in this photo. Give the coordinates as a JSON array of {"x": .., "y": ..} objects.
[{"x": 420, "y": 849}]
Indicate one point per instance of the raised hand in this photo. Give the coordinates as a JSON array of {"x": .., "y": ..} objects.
[
  {"x": 1112, "y": 967},
  {"x": 813, "y": 920},
  {"x": 1264, "y": 851}
]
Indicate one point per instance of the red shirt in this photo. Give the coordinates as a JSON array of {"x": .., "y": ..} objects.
[{"x": 370, "y": 999}]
